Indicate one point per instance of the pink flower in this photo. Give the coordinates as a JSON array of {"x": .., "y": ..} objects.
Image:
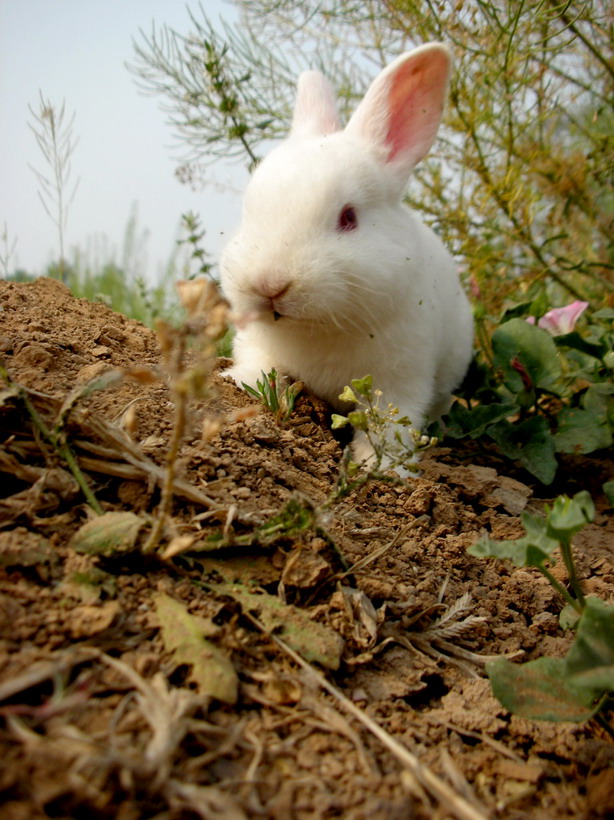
[
  {"x": 474, "y": 287},
  {"x": 561, "y": 320}
]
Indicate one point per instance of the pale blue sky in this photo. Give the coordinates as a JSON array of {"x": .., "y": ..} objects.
[{"x": 76, "y": 50}]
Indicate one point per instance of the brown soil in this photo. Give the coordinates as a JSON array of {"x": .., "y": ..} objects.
[{"x": 100, "y": 719}]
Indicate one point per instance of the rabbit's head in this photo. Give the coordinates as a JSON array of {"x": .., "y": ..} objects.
[{"x": 324, "y": 234}]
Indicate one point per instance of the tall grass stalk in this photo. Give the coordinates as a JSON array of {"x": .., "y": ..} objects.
[
  {"x": 7, "y": 250},
  {"x": 54, "y": 136}
]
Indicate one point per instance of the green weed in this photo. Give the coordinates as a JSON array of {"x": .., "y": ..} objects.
[
  {"x": 539, "y": 387},
  {"x": 580, "y": 685},
  {"x": 276, "y": 397}
]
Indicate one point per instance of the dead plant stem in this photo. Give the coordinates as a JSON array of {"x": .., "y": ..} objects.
[
  {"x": 434, "y": 785},
  {"x": 166, "y": 500}
]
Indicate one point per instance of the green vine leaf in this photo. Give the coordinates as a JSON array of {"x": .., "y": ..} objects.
[
  {"x": 540, "y": 690},
  {"x": 529, "y": 442},
  {"x": 518, "y": 344}
]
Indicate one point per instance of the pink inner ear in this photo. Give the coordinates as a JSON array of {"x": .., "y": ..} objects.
[{"x": 415, "y": 98}]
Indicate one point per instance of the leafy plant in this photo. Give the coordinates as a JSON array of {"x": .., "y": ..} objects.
[
  {"x": 580, "y": 685},
  {"x": 213, "y": 99},
  {"x": 537, "y": 392},
  {"x": 195, "y": 233},
  {"x": 395, "y": 443},
  {"x": 276, "y": 397}
]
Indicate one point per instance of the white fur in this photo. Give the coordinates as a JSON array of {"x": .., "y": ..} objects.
[{"x": 383, "y": 299}]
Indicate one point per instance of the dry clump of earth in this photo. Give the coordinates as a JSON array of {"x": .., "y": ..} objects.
[{"x": 106, "y": 710}]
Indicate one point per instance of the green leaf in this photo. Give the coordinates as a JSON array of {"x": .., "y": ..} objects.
[
  {"x": 571, "y": 688},
  {"x": 532, "y": 348},
  {"x": 599, "y": 397},
  {"x": 352, "y": 469},
  {"x": 531, "y": 443},
  {"x": 462, "y": 422},
  {"x": 569, "y": 515},
  {"x": 590, "y": 661},
  {"x": 569, "y": 617},
  {"x": 581, "y": 431},
  {"x": 358, "y": 420},
  {"x": 577, "y": 342},
  {"x": 184, "y": 635},
  {"x": 312, "y": 640},
  {"x": 364, "y": 386},
  {"x": 608, "y": 489},
  {"x": 587, "y": 428},
  {"x": 599, "y": 680},
  {"x": 540, "y": 305},
  {"x": 348, "y": 395},
  {"x": 519, "y": 310},
  {"x": 251, "y": 391},
  {"x": 540, "y": 690},
  {"x": 337, "y": 421},
  {"x": 532, "y": 550}
]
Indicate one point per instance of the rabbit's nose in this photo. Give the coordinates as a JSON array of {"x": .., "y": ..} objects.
[{"x": 272, "y": 289}]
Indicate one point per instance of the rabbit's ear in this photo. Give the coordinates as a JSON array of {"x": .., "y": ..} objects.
[
  {"x": 315, "y": 110},
  {"x": 401, "y": 111}
]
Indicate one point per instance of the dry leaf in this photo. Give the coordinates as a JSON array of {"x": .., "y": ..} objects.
[
  {"x": 22, "y": 548},
  {"x": 177, "y": 545},
  {"x": 109, "y": 534},
  {"x": 314, "y": 641},
  {"x": 183, "y": 635},
  {"x": 305, "y": 568}
]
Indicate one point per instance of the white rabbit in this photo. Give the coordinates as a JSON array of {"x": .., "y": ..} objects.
[{"x": 334, "y": 276}]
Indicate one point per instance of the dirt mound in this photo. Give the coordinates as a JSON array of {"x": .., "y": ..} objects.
[{"x": 103, "y": 709}]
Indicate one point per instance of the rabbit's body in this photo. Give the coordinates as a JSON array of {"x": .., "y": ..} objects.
[{"x": 335, "y": 277}]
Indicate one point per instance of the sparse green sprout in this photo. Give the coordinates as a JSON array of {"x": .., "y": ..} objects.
[{"x": 271, "y": 392}]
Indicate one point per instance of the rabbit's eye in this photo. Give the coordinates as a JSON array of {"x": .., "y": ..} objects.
[{"x": 348, "y": 221}]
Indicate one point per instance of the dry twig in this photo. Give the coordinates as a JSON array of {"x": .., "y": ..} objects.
[{"x": 444, "y": 794}]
